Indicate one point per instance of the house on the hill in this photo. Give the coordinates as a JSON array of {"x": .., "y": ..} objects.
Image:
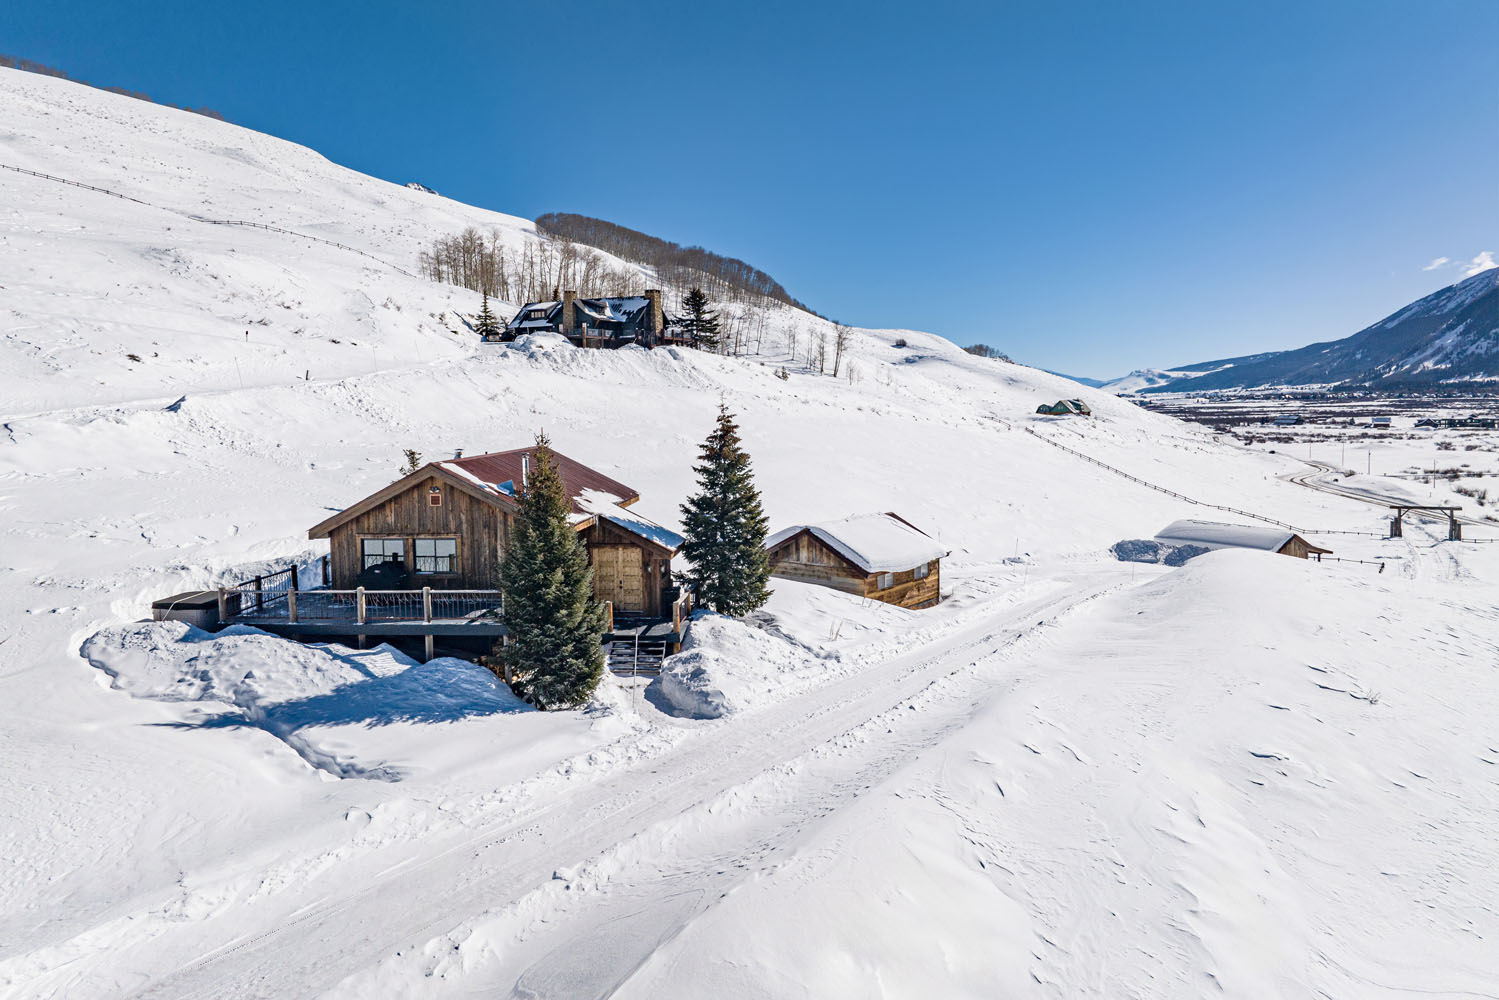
[
  {"x": 879, "y": 556},
  {"x": 606, "y": 322},
  {"x": 1215, "y": 535},
  {"x": 1065, "y": 407},
  {"x": 448, "y": 524}
]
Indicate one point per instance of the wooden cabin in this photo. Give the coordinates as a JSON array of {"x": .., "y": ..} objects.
[
  {"x": 448, "y": 524},
  {"x": 1216, "y": 535},
  {"x": 880, "y": 556}
]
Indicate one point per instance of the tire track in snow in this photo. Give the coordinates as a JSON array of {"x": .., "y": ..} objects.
[{"x": 296, "y": 955}]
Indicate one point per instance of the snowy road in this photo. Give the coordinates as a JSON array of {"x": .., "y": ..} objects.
[{"x": 620, "y": 825}]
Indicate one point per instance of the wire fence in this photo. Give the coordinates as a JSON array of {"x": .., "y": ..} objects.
[
  {"x": 1200, "y": 503},
  {"x": 211, "y": 222}
]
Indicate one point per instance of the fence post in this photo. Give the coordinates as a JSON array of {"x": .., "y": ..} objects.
[
  {"x": 259, "y": 602},
  {"x": 223, "y": 605},
  {"x": 291, "y": 605},
  {"x": 427, "y": 606},
  {"x": 293, "y": 576},
  {"x": 359, "y": 605}
]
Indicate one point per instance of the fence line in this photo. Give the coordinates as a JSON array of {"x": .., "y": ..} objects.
[
  {"x": 1191, "y": 500},
  {"x": 208, "y": 221}
]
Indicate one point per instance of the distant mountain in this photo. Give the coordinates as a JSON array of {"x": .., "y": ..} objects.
[
  {"x": 1450, "y": 336},
  {"x": 1092, "y": 383}
]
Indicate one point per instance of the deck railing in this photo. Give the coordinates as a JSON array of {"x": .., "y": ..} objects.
[{"x": 357, "y": 606}]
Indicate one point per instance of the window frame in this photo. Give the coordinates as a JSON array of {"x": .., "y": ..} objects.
[
  {"x": 451, "y": 557},
  {"x": 884, "y": 581},
  {"x": 922, "y": 572},
  {"x": 385, "y": 553}
]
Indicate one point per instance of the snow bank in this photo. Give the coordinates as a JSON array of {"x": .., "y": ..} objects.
[
  {"x": 726, "y": 666},
  {"x": 299, "y": 694}
]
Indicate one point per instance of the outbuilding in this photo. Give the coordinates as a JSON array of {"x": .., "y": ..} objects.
[
  {"x": 880, "y": 556},
  {"x": 1217, "y": 535},
  {"x": 1065, "y": 408}
]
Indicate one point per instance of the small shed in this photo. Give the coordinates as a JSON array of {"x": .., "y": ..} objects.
[
  {"x": 1217, "y": 535},
  {"x": 879, "y": 556},
  {"x": 1065, "y": 407}
]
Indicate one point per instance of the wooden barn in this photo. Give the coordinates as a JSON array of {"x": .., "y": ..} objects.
[
  {"x": 447, "y": 526},
  {"x": 1216, "y": 535},
  {"x": 879, "y": 556}
]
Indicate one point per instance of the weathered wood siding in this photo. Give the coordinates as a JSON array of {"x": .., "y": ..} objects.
[
  {"x": 807, "y": 558},
  {"x": 482, "y": 531},
  {"x": 654, "y": 568},
  {"x": 907, "y": 591}
]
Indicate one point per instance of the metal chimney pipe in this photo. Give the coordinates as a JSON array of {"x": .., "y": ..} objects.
[{"x": 525, "y": 471}]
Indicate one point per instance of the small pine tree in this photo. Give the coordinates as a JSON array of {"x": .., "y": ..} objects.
[
  {"x": 487, "y": 326},
  {"x": 701, "y": 322},
  {"x": 724, "y": 526},
  {"x": 413, "y": 461},
  {"x": 556, "y": 626}
]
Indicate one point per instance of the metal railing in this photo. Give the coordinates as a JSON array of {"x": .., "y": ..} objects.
[{"x": 358, "y": 606}]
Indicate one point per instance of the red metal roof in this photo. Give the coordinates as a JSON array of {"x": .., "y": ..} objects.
[{"x": 502, "y": 466}]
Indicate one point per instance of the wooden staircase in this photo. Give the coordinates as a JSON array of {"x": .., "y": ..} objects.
[{"x": 635, "y": 657}]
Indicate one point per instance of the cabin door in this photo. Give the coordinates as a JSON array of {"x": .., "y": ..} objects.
[{"x": 617, "y": 577}]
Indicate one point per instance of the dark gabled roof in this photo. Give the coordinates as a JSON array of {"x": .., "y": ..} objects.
[
  {"x": 496, "y": 479},
  {"x": 500, "y": 467}
]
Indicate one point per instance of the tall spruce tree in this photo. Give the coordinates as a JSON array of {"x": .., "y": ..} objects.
[
  {"x": 724, "y": 525},
  {"x": 700, "y": 322},
  {"x": 556, "y": 626},
  {"x": 487, "y": 326}
]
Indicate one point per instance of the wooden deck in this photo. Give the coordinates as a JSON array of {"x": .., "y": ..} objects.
[{"x": 365, "y": 612}]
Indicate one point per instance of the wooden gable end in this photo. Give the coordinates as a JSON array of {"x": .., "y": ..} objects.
[{"x": 481, "y": 528}]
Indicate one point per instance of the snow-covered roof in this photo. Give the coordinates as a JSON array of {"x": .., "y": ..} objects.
[
  {"x": 607, "y": 506},
  {"x": 611, "y": 310},
  {"x": 1216, "y": 535},
  {"x": 876, "y": 543}
]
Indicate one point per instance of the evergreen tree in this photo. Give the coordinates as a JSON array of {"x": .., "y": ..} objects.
[
  {"x": 701, "y": 322},
  {"x": 556, "y": 625},
  {"x": 725, "y": 526},
  {"x": 488, "y": 327}
]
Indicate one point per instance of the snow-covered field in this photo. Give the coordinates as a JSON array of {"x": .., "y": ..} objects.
[{"x": 1251, "y": 776}]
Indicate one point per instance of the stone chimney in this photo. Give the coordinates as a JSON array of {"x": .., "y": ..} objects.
[
  {"x": 655, "y": 320},
  {"x": 569, "y": 311}
]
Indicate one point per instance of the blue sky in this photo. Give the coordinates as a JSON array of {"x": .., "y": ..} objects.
[{"x": 1089, "y": 186}]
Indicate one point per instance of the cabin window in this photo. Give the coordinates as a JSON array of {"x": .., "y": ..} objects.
[
  {"x": 921, "y": 572},
  {"x": 885, "y": 581},
  {"x": 435, "y": 555},
  {"x": 379, "y": 550}
]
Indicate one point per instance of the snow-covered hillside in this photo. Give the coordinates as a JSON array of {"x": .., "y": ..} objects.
[{"x": 1250, "y": 776}]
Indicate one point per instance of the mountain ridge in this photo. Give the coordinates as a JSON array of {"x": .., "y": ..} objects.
[{"x": 1449, "y": 336}]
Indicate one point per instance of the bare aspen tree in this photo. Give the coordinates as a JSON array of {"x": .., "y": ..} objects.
[
  {"x": 819, "y": 351},
  {"x": 840, "y": 344}
]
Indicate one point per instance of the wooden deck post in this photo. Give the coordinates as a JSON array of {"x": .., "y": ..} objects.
[
  {"x": 427, "y": 647},
  {"x": 291, "y": 605},
  {"x": 427, "y": 605},
  {"x": 293, "y": 576},
  {"x": 326, "y": 575},
  {"x": 359, "y": 605},
  {"x": 259, "y": 602},
  {"x": 223, "y": 606}
]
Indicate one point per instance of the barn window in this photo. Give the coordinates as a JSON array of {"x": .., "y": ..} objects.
[
  {"x": 434, "y": 496},
  {"x": 885, "y": 581},
  {"x": 435, "y": 555},
  {"x": 921, "y": 572},
  {"x": 379, "y": 550}
]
